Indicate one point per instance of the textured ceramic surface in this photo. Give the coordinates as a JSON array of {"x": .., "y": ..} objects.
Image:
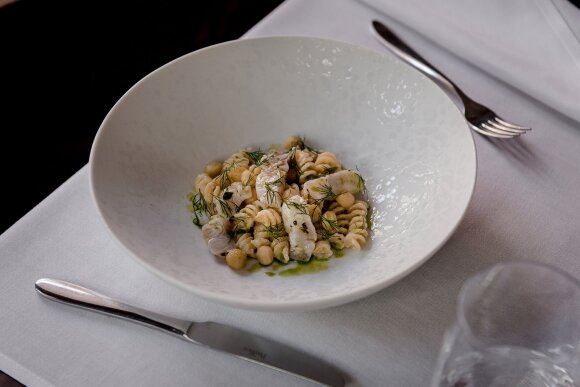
[{"x": 405, "y": 136}]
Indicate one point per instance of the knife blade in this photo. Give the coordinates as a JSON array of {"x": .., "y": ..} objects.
[{"x": 224, "y": 338}]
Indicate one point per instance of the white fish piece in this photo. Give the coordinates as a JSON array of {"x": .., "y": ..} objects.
[
  {"x": 219, "y": 246},
  {"x": 317, "y": 188},
  {"x": 298, "y": 225},
  {"x": 215, "y": 227},
  {"x": 230, "y": 200},
  {"x": 270, "y": 185},
  {"x": 334, "y": 184},
  {"x": 345, "y": 181},
  {"x": 239, "y": 193},
  {"x": 278, "y": 161}
]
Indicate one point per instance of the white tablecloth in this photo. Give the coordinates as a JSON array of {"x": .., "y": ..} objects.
[
  {"x": 527, "y": 43},
  {"x": 525, "y": 206}
]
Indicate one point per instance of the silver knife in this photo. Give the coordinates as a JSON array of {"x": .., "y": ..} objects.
[{"x": 209, "y": 334}]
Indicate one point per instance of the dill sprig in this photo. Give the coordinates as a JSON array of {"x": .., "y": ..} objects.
[
  {"x": 332, "y": 225},
  {"x": 257, "y": 157},
  {"x": 226, "y": 209},
  {"x": 361, "y": 183},
  {"x": 234, "y": 233},
  {"x": 302, "y": 208},
  {"x": 328, "y": 170},
  {"x": 224, "y": 177},
  {"x": 326, "y": 192},
  {"x": 292, "y": 161},
  {"x": 199, "y": 208},
  {"x": 275, "y": 231},
  {"x": 300, "y": 143},
  {"x": 270, "y": 192},
  {"x": 239, "y": 224},
  {"x": 325, "y": 234}
]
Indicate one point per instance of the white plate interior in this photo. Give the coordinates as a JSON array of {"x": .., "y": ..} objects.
[{"x": 404, "y": 135}]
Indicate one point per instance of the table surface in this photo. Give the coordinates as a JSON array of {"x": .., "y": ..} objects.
[{"x": 524, "y": 207}]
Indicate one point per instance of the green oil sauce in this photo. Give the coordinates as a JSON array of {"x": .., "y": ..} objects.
[
  {"x": 338, "y": 253},
  {"x": 270, "y": 273},
  {"x": 313, "y": 266},
  {"x": 275, "y": 266},
  {"x": 255, "y": 267}
]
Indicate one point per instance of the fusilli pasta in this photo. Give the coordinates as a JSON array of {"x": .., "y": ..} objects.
[{"x": 291, "y": 203}]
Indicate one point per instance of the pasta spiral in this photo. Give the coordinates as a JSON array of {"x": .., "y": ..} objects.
[
  {"x": 342, "y": 216},
  {"x": 337, "y": 241},
  {"x": 235, "y": 165},
  {"x": 357, "y": 229},
  {"x": 261, "y": 236},
  {"x": 268, "y": 217},
  {"x": 244, "y": 220},
  {"x": 206, "y": 186},
  {"x": 326, "y": 163},
  {"x": 305, "y": 164},
  {"x": 290, "y": 191},
  {"x": 330, "y": 223},
  {"x": 288, "y": 203},
  {"x": 281, "y": 248},
  {"x": 249, "y": 175},
  {"x": 244, "y": 243}
]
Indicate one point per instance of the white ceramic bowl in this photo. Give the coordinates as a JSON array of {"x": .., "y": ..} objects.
[{"x": 405, "y": 136}]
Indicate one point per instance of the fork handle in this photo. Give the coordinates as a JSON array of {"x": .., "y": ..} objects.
[{"x": 391, "y": 41}]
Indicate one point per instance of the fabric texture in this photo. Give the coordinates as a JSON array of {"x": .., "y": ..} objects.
[{"x": 527, "y": 44}]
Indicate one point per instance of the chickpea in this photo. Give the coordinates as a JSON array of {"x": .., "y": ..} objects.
[
  {"x": 213, "y": 169},
  {"x": 236, "y": 259},
  {"x": 346, "y": 200},
  {"x": 265, "y": 255}
]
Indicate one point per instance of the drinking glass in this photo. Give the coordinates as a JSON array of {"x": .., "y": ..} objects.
[{"x": 517, "y": 324}]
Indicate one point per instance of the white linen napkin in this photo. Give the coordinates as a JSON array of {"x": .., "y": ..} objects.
[{"x": 529, "y": 44}]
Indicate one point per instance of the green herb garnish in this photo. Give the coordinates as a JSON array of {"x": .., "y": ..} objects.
[
  {"x": 328, "y": 171},
  {"x": 329, "y": 224},
  {"x": 275, "y": 231},
  {"x": 270, "y": 192},
  {"x": 326, "y": 194},
  {"x": 199, "y": 208},
  {"x": 226, "y": 210},
  {"x": 256, "y": 157},
  {"x": 302, "y": 208},
  {"x": 361, "y": 185}
]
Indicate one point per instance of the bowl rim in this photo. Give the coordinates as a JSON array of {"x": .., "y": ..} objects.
[{"x": 275, "y": 305}]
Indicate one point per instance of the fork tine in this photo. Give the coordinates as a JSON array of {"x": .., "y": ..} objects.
[
  {"x": 492, "y": 128},
  {"x": 503, "y": 127},
  {"x": 488, "y": 133},
  {"x": 509, "y": 124}
]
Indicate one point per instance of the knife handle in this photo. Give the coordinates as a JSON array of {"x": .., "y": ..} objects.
[
  {"x": 391, "y": 41},
  {"x": 81, "y": 297}
]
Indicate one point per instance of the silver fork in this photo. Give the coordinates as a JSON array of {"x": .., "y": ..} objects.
[{"x": 480, "y": 118}]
